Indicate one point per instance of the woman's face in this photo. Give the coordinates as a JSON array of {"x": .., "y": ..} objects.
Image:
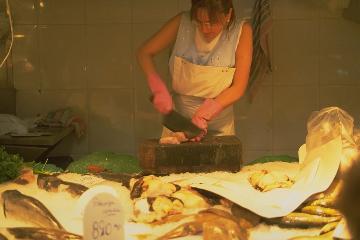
[{"x": 210, "y": 29}]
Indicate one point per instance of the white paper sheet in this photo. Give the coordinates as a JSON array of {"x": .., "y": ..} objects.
[{"x": 317, "y": 171}]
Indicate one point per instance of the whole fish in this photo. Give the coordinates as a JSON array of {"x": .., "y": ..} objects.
[
  {"x": 324, "y": 202},
  {"x": 213, "y": 223},
  {"x": 52, "y": 183},
  {"x": 328, "y": 227},
  {"x": 123, "y": 178},
  {"x": 32, "y": 233},
  {"x": 28, "y": 209},
  {"x": 321, "y": 211},
  {"x": 296, "y": 219}
]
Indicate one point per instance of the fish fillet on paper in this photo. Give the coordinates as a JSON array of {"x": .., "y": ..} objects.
[{"x": 316, "y": 173}]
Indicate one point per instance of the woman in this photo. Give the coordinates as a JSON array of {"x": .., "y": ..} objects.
[{"x": 209, "y": 64}]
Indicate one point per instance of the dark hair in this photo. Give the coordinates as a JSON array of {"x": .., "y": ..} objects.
[{"x": 214, "y": 8}]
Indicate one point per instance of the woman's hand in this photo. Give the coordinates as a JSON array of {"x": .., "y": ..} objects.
[
  {"x": 161, "y": 40},
  {"x": 199, "y": 137},
  {"x": 161, "y": 97},
  {"x": 207, "y": 111}
]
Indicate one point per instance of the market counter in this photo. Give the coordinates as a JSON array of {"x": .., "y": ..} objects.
[{"x": 37, "y": 144}]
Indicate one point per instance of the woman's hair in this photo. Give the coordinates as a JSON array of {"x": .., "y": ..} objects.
[{"x": 214, "y": 8}]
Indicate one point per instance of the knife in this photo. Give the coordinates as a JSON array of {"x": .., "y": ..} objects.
[{"x": 176, "y": 122}]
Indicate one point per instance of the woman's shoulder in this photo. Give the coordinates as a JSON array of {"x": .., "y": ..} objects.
[
  {"x": 184, "y": 19},
  {"x": 242, "y": 25},
  {"x": 185, "y": 13},
  {"x": 246, "y": 28},
  {"x": 185, "y": 16}
]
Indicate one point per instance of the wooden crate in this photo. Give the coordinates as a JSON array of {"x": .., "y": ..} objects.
[{"x": 217, "y": 153}]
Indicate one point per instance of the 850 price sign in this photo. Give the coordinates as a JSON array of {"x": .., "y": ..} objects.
[
  {"x": 102, "y": 229},
  {"x": 103, "y": 218}
]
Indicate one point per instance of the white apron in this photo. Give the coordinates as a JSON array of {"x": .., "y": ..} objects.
[{"x": 194, "y": 83}]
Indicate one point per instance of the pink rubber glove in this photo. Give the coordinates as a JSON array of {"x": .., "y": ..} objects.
[
  {"x": 161, "y": 98},
  {"x": 207, "y": 111}
]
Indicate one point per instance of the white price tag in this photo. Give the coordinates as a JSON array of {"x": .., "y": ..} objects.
[{"x": 103, "y": 218}]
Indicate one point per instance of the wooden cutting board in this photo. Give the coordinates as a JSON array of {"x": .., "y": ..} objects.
[{"x": 216, "y": 153}]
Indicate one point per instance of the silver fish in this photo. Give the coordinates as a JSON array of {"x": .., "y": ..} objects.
[
  {"x": 32, "y": 233},
  {"x": 28, "y": 209},
  {"x": 303, "y": 220}
]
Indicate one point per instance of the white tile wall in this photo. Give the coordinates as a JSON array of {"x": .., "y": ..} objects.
[
  {"x": 295, "y": 50},
  {"x": 254, "y": 120},
  {"x": 345, "y": 97},
  {"x": 290, "y": 152},
  {"x": 26, "y": 57},
  {"x": 292, "y": 106},
  {"x": 339, "y": 53},
  {"x": 108, "y": 11},
  {"x": 109, "y": 67},
  {"x": 154, "y": 11},
  {"x": 82, "y": 54},
  {"x": 147, "y": 125},
  {"x": 294, "y": 9},
  {"x": 111, "y": 120},
  {"x": 184, "y": 5},
  {"x": 330, "y": 9},
  {"x": 32, "y": 102},
  {"x": 3, "y": 78},
  {"x": 24, "y": 11},
  {"x": 7, "y": 100},
  {"x": 62, "y": 56},
  {"x": 72, "y": 145},
  {"x": 249, "y": 155},
  {"x": 62, "y": 12}
]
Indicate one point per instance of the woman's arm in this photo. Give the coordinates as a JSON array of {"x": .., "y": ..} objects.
[
  {"x": 243, "y": 60},
  {"x": 161, "y": 97},
  {"x": 162, "y": 39}
]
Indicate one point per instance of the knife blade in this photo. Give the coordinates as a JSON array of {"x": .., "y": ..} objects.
[{"x": 176, "y": 122}]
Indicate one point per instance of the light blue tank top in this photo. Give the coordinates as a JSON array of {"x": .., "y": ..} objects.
[{"x": 223, "y": 54}]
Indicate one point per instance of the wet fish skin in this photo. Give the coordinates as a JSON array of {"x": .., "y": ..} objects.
[
  {"x": 214, "y": 223},
  {"x": 75, "y": 189},
  {"x": 52, "y": 183},
  {"x": 324, "y": 202},
  {"x": 49, "y": 183},
  {"x": 328, "y": 227},
  {"x": 185, "y": 229},
  {"x": 137, "y": 190},
  {"x": 245, "y": 218},
  {"x": 28, "y": 209},
  {"x": 321, "y": 211},
  {"x": 33, "y": 233},
  {"x": 297, "y": 219},
  {"x": 123, "y": 178}
]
